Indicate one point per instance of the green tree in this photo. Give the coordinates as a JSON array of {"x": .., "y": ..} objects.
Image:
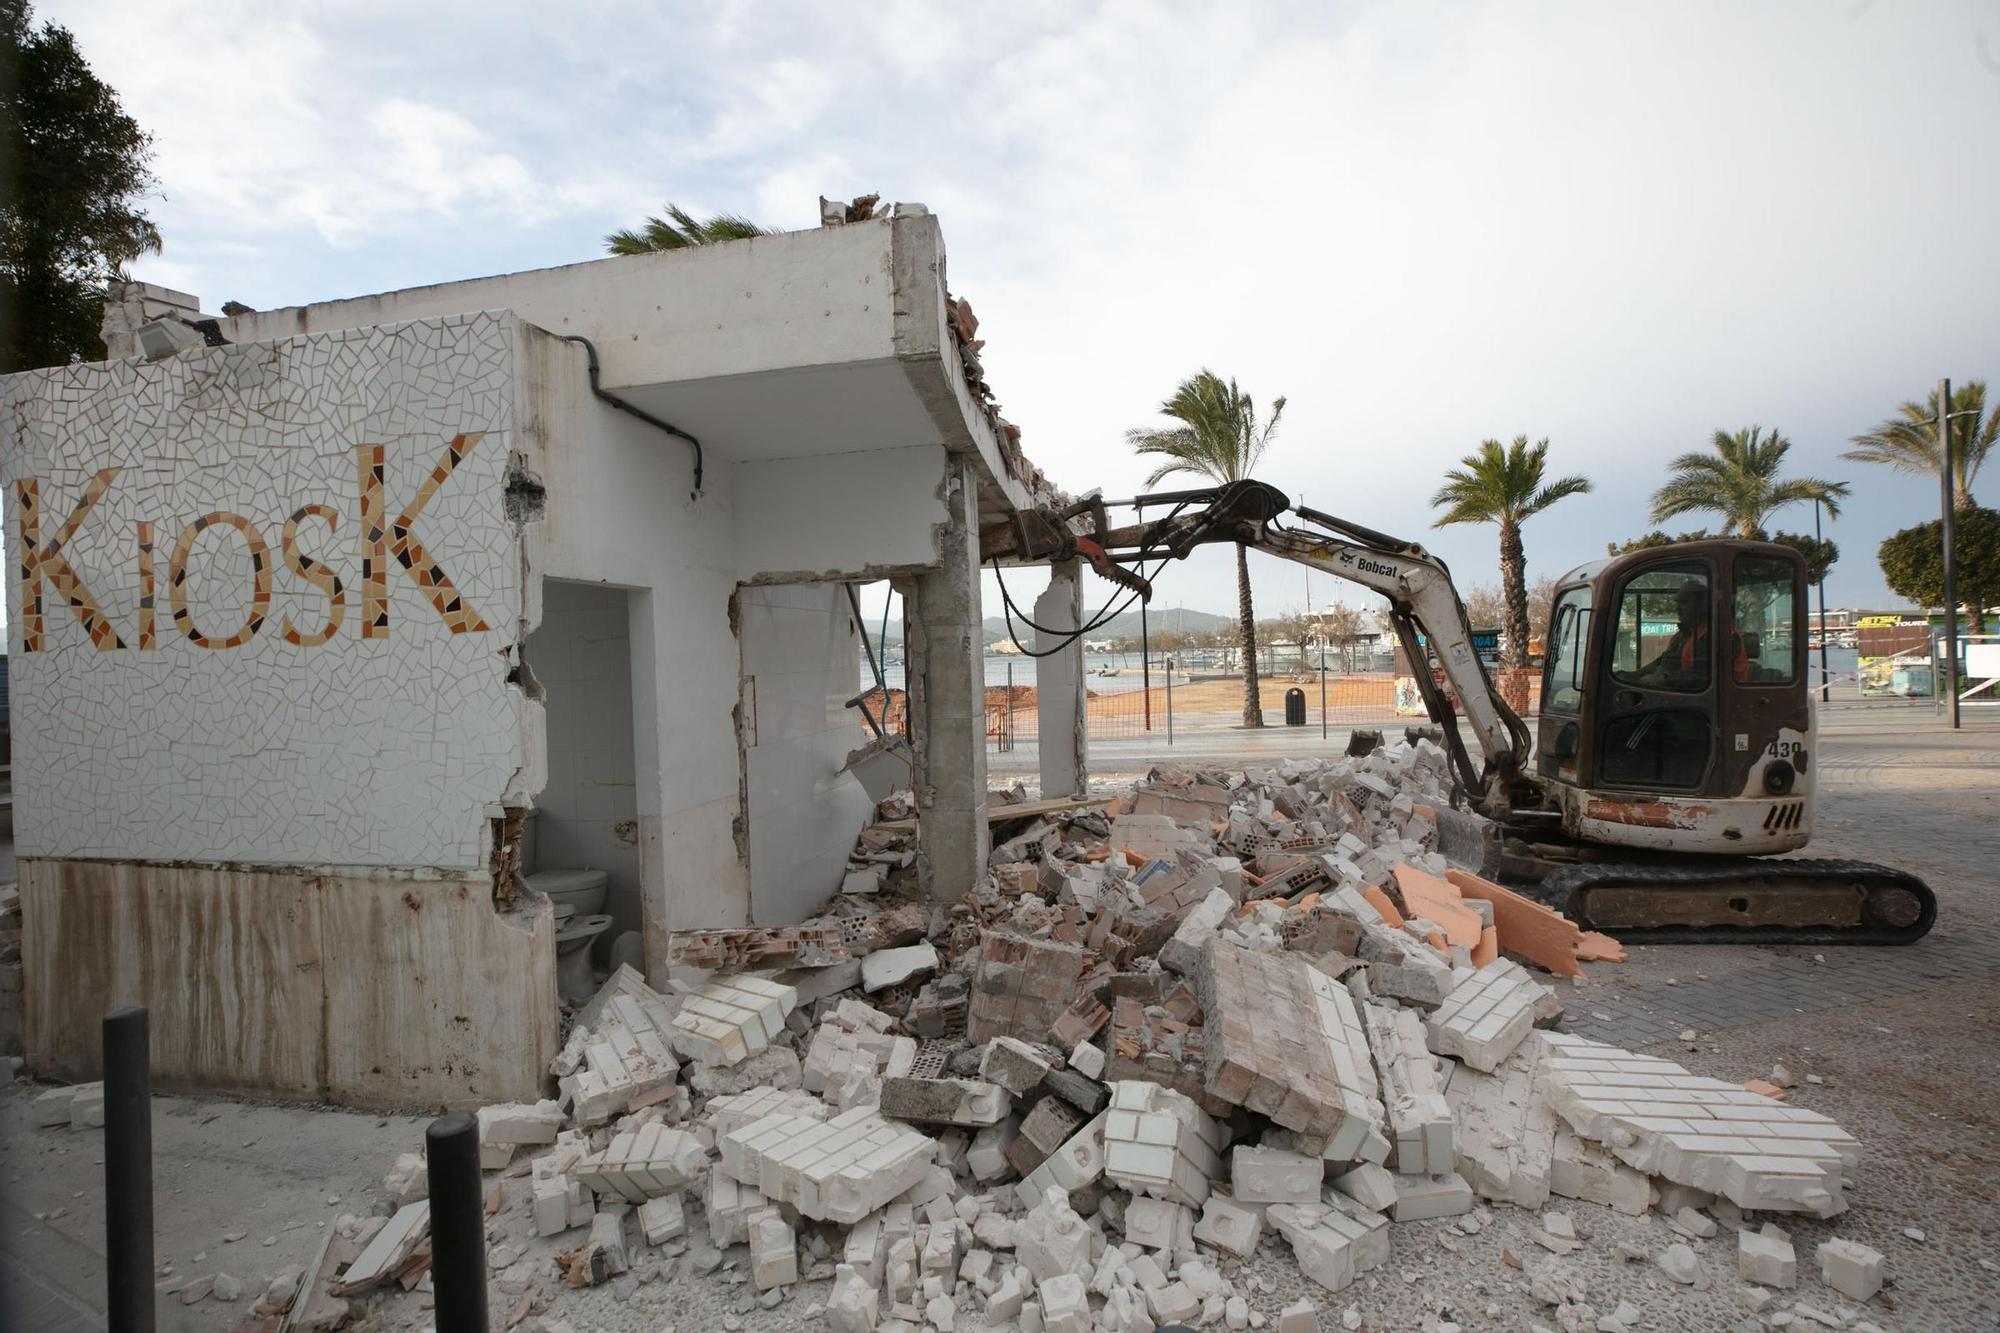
[
  {"x": 1908, "y": 441},
  {"x": 679, "y": 230},
  {"x": 1216, "y": 434},
  {"x": 1740, "y": 482},
  {"x": 1820, "y": 554},
  {"x": 72, "y": 165},
  {"x": 1504, "y": 485},
  {"x": 1913, "y": 563}
]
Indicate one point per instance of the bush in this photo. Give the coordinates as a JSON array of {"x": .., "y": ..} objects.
[{"x": 1913, "y": 560}]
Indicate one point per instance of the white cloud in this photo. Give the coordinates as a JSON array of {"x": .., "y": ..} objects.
[{"x": 1616, "y": 226}]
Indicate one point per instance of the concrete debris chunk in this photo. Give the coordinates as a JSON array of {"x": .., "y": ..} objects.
[
  {"x": 662, "y": 1219},
  {"x": 1505, "y": 1131},
  {"x": 1284, "y": 1040},
  {"x": 388, "y": 1249},
  {"x": 731, "y": 1018},
  {"x": 1371, "y": 1186},
  {"x": 1332, "y": 1247},
  {"x": 1486, "y": 1015},
  {"x": 1273, "y": 1175},
  {"x": 1420, "y": 1120},
  {"x": 1014, "y": 1065},
  {"x": 1075, "y": 1165},
  {"x": 1228, "y": 1226},
  {"x": 893, "y": 967},
  {"x": 1422, "y": 1197},
  {"x": 518, "y": 1122},
  {"x": 1850, "y": 1268},
  {"x": 757, "y": 946},
  {"x": 52, "y": 1107},
  {"x": 732, "y": 1111},
  {"x": 86, "y": 1108},
  {"x": 641, "y": 1164},
  {"x": 1052, "y": 1240},
  {"x": 837, "y": 1170},
  {"x": 1579, "y": 1169},
  {"x": 1159, "y": 1143},
  {"x": 1713, "y": 1136},
  {"x": 1021, "y": 987}
]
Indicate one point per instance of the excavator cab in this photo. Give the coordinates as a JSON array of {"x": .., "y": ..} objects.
[{"x": 1676, "y": 707}]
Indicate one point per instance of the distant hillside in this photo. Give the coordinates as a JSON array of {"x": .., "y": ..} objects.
[{"x": 1124, "y": 625}]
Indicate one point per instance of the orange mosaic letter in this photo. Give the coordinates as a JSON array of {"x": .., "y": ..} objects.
[
  {"x": 147, "y": 638},
  {"x": 315, "y": 573},
  {"x": 39, "y": 562},
  {"x": 260, "y": 566},
  {"x": 379, "y": 539}
]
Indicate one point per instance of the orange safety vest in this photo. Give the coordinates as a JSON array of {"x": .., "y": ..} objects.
[{"x": 1739, "y": 666}]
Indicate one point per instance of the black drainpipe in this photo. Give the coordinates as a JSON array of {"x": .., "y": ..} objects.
[{"x": 590, "y": 349}]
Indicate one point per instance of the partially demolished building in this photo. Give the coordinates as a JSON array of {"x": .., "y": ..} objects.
[{"x": 330, "y": 622}]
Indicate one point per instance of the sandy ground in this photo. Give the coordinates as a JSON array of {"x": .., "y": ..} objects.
[{"x": 1911, "y": 1076}]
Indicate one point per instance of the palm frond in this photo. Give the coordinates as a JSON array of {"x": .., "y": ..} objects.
[{"x": 680, "y": 229}]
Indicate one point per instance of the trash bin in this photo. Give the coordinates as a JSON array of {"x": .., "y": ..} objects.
[{"x": 1295, "y": 707}]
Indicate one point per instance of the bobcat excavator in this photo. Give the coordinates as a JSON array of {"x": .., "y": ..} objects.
[{"x": 1674, "y": 752}]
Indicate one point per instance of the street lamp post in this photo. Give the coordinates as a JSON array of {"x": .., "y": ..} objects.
[
  {"x": 1950, "y": 562},
  {"x": 1825, "y": 682}
]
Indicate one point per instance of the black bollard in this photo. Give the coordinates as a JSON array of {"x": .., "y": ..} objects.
[
  {"x": 128, "y": 1171},
  {"x": 458, "y": 1223}
]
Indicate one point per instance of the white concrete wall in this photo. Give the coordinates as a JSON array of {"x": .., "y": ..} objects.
[
  {"x": 587, "y": 815},
  {"x": 801, "y": 663},
  {"x": 851, "y": 515},
  {"x": 232, "y": 732}
]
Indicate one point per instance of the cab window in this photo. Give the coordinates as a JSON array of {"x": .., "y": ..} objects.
[
  {"x": 1569, "y": 631},
  {"x": 1664, "y": 638},
  {"x": 1767, "y": 618}
]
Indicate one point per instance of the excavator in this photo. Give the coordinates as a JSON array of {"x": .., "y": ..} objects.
[{"x": 1672, "y": 761}]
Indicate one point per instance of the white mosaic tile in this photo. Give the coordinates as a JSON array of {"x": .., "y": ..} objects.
[{"x": 311, "y": 681}]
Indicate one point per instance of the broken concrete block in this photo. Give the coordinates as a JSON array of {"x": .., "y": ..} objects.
[
  {"x": 1087, "y": 1060},
  {"x": 1283, "y": 1039},
  {"x": 1065, "y": 1305},
  {"x": 1766, "y": 1257},
  {"x": 1301, "y": 1316},
  {"x": 1331, "y": 1246},
  {"x": 774, "y": 1250},
  {"x": 1173, "y": 1304},
  {"x": 52, "y": 1107},
  {"x": 662, "y": 1219},
  {"x": 1052, "y": 1240},
  {"x": 1078, "y": 1163},
  {"x": 1159, "y": 1224},
  {"x": 1403, "y": 969},
  {"x": 730, "y": 1019},
  {"x": 1229, "y": 1227},
  {"x": 892, "y": 967},
  {"x": 641, "y": 1164},
  {"x": 838, "y": 1170},
  {"x": 1021, "y": 987},
  {"x": 1579, "y": 1169},
  {"x": 1505, "y": 1132},
  {"x": 408, "y": 1180},
  {"x": 1850, "y": 1268},
  {"x": 386, "y": 1250},
  {"x": 853, "y": 1305},
  {"x": 1049, "y": 1124},
  {"x": 1272, "y": 1175},
  {"x": 1714, "y": 1136},
  {"x": 944, "y": 1101},
  {"x": 987, "y": 1157},
  {"x": 1677, "y": 1261},
  {"x": 1085, "y": 1094},
  {"x": 1182, "y": 953},
  {"x": 86, "y": 1108},
  {"x": 1420, "y": 1120},
  {"x": 728, "y": 1204},
  {"x": 1014, "y": 1065},
  {"x": 1082, "y": 1020},
  {"x": 514, "y": 1123},
  {"x": 735, "y": 949},
  {"x": 1421, "y": 1197},
  {"x": 604, "y": 1253},
  {"x": 1371, "y": 1186},
  {"x": 1488, "y": 1013},
  {"x": 1158, "y": 1142},
  {"x": 728, "y": 1113}
]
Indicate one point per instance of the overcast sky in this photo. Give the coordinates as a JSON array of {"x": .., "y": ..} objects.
[{"x": 1619, "y": 226}]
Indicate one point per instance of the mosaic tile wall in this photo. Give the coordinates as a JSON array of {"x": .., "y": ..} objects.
[{"x": 263, "y": 599}]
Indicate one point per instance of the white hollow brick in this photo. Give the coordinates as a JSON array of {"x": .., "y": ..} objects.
[
  {"x": 1505, "y": 1131},
  {"x": 1486, "y": 1015},
  {"x": 1332, "y": 1247},
  {"x": 1700, "y": 1132},
  {"x": 1359, "y": 1136}
]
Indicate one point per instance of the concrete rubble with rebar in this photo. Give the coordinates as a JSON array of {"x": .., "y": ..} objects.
[{"x": 1202, "y": 1017}]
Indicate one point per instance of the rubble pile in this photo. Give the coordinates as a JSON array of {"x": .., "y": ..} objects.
[{"x": 1209, "y": 1014}]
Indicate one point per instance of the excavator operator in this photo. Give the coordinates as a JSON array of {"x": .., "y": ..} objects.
[{"x": 1684, "y": 664}]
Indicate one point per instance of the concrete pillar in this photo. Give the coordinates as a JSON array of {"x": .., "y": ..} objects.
[
  {"x": 1059, "y": 685},
  {"x": 947, "y": 678}
]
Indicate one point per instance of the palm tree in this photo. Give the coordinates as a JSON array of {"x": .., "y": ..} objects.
[
  {"x": 1505, "y": 486},
  {"x": 1909, "y": 442},
  {"x": 1216, "y": 434},
  {"x": 1740, "y": 482},
  {"x": 679, "y": 230}
]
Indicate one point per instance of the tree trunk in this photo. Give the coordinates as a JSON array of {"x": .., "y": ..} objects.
[
  {"x": 1253, "y": 705},
  {"x": 1747, "y": 530},
  {"x": 1514, "y": 587},
  {"x": 1961, "y": 499}
]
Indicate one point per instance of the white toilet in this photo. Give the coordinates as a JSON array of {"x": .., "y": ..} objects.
[{"x": 578, "y": 895}]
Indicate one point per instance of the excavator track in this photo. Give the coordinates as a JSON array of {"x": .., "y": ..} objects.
[{"x": 1742, "y": 900}]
